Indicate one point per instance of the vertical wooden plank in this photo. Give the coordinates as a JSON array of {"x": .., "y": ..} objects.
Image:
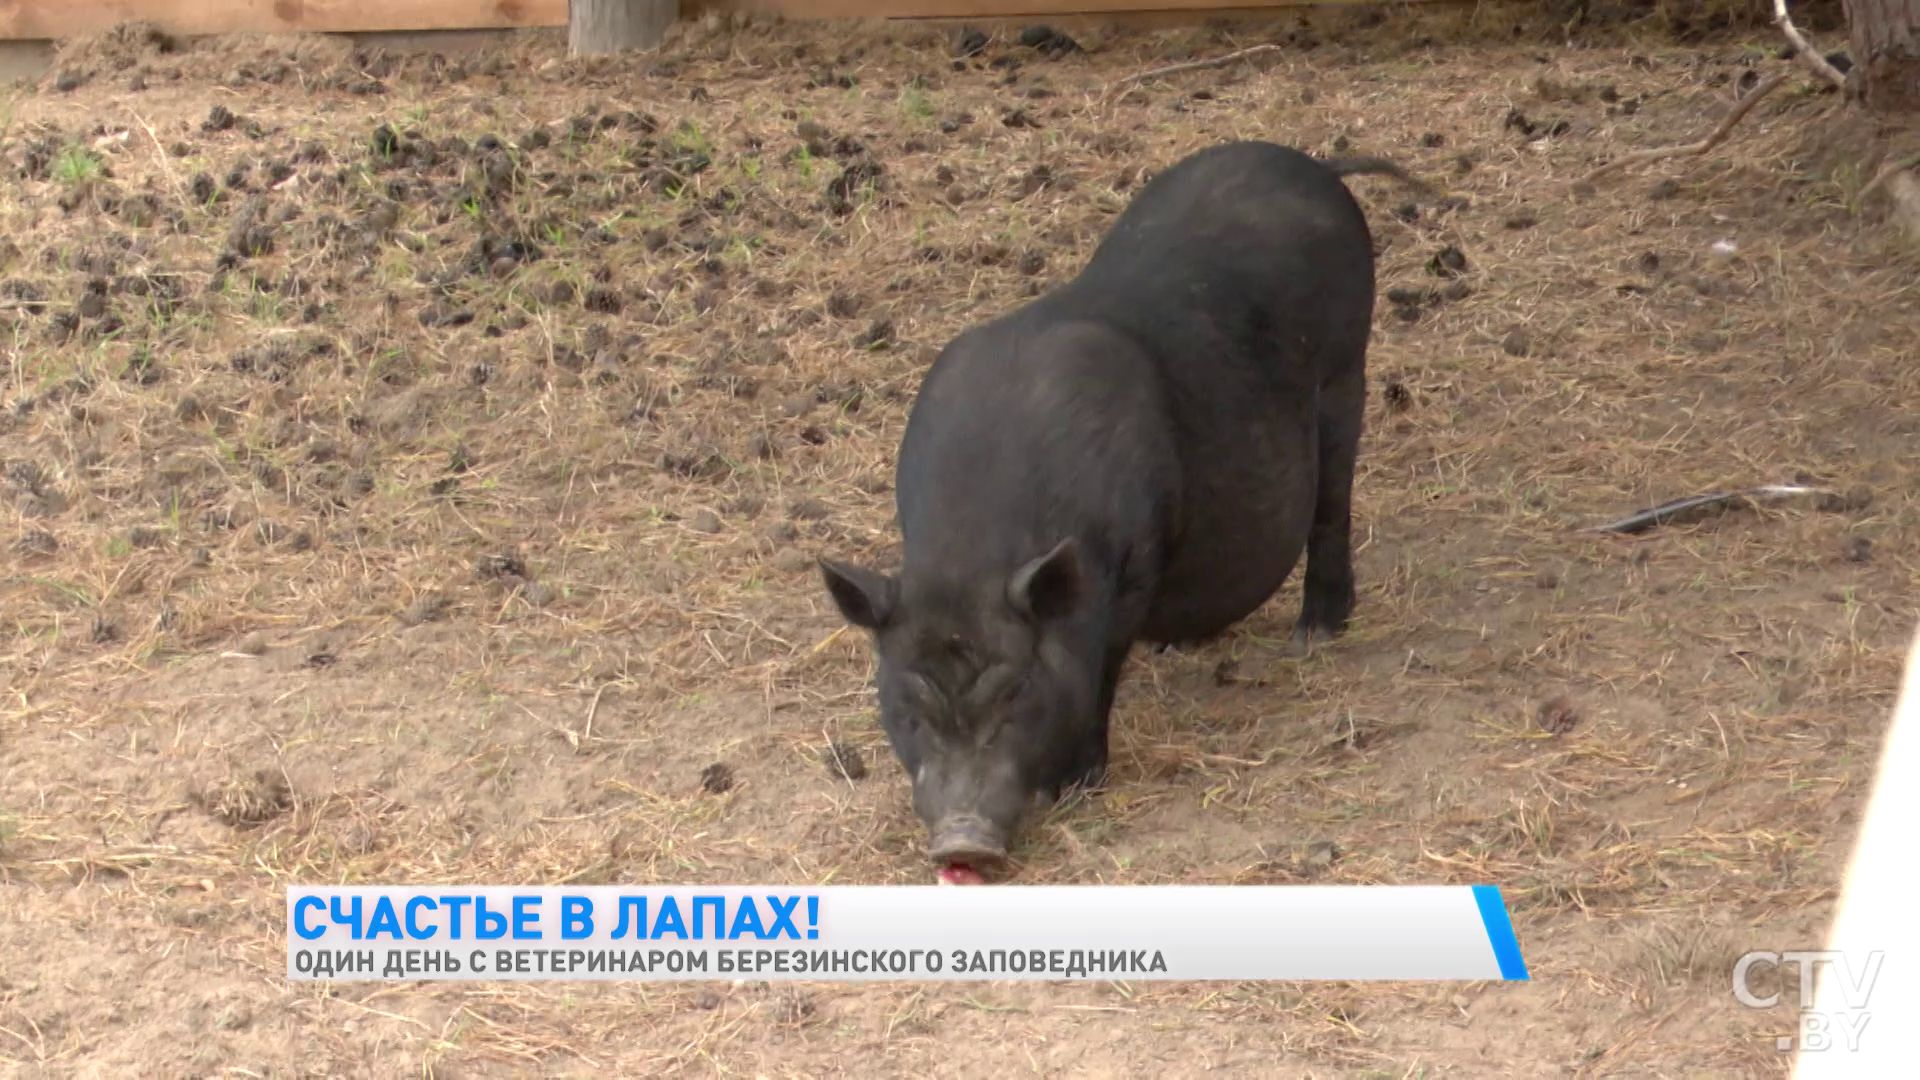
[{"x": 608, "y": 26}]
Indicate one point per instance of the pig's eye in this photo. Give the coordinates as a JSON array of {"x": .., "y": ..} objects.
[
  {"x": 920, "y": 692},
  {"x": 997, "y": 684}
]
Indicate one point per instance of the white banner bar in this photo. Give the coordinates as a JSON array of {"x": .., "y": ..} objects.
[{"x": 901, "y": 933}]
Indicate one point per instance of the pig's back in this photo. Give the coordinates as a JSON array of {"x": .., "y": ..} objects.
[{"x": 1245, "y": 255}]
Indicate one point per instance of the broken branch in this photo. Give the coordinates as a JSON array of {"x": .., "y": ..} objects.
[
  {"x": 1887, "y": 173},
  {"x": 1804, "y": 52},
  {"x": 1696, "y": 507},
  {"x": 1740, "y": 109},
  {"x": 1191, "y": 65}
]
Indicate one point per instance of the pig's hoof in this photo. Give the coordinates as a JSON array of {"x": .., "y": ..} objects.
[
  {"x": 1082, "y": 782},
  {"x": 1306, "y": 637}
]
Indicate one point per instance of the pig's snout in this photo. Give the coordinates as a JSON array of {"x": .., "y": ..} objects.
[
  {"x": 971, "y": 806},
  {"x": 969, "y": 840}
]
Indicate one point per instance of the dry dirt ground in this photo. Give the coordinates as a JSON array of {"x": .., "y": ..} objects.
[{"x": 413, "y": 469}]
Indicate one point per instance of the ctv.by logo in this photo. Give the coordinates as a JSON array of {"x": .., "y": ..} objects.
[{"x": 1817, "y": 1030}]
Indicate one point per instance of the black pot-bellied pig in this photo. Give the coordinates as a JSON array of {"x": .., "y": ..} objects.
[{"x": 1140, "y": 454}]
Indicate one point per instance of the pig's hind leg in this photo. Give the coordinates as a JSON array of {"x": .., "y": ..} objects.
[{"x": 1327, "y": 594}]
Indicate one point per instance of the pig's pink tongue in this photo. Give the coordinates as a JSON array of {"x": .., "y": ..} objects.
[{"x": 957, "y": 873}]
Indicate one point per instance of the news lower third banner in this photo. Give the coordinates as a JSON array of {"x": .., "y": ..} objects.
[{"x": 901, "y": 933}]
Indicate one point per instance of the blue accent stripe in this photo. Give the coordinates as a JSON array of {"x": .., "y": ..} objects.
[{"x": 1506, "y": 947}]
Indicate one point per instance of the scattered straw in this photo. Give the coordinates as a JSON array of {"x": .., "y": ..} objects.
[{"x": 613, "y": 461}]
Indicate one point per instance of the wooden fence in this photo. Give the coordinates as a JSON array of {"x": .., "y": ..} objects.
[{"x": 42, "y": 19}]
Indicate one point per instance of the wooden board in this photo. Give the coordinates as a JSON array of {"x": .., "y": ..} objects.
[
  {"x": 62, "y": 18},
  {"x": 1157, "y": 17},
  {"x": 42, "y": 19},
  {"x": 1183, "y": 10}
]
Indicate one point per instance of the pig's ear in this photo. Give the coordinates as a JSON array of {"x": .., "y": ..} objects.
[
  {"x": 865, "y": 598},
  {"x": 1049, "y": 586}
]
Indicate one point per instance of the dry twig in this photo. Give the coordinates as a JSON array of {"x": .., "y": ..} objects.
[
  {"x": 1697, "y": 506},
  {"x": 1191, "y": 65},
  {"x": 1803, "y": 52},
  {"x": 1887, "y": 173},
  {"x": 1740, "y": 109}
]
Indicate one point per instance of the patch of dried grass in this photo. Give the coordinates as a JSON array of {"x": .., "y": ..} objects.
[{"x": 507, "y": 564}]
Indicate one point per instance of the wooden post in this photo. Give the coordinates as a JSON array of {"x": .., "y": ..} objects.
[
  {"x": 1886, "y": 53},
  {"x": 607, "y": 26}
]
